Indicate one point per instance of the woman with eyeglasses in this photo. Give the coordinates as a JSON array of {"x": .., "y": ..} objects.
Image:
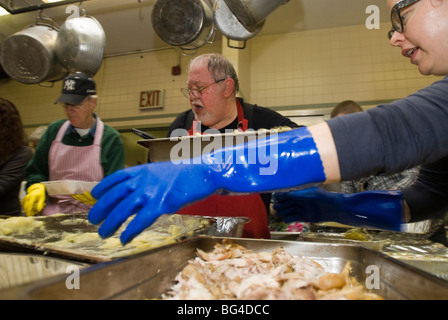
[{"x": 387, "y": 139}]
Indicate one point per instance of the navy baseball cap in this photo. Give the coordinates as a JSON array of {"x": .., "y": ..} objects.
[{"x": 76, "y": 88}]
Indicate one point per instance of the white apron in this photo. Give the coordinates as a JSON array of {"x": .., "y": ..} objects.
[{"x": 73, "y": 163}]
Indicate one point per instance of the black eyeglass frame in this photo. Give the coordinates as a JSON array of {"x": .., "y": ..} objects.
[
  {"x": 395, "y": 16},
  {"x": 187, "y": 92}
]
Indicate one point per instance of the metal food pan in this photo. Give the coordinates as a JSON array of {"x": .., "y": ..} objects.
[
  {"x": 48, "y": 239},
  {"x": 435, "y": 267},
  {"x": 148, "y": 275},
  {"x": 18, "y": 269},
  {"x": 187, "y": 147}
]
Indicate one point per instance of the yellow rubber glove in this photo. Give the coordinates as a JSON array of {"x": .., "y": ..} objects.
[
  {"x": 34, "y": 202},
  {"x": 85, "y": 198}
]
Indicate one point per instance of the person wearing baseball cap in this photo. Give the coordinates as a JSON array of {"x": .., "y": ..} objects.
[
  {"x": 80, "y": 147},
  {"x": 76, "y": 88}
]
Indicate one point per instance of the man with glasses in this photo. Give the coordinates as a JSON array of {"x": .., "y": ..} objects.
[
  {"x": 383, "y": 140},
  {"x": 212, "y": 86},
  {"x": 80, "y": 147}
]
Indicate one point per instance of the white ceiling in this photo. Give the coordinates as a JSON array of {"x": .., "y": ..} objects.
[{"x": 128, "y": 26}]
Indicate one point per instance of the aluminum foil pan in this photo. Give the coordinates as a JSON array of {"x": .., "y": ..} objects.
[{"x": 72, "y": 236}]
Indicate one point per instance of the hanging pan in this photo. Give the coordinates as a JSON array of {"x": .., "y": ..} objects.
[
  {"x": 230, "y": 26},
  {"x": 80, "y": 45},
  {"x": 252, "y": 13},
  {"x": 184, "y": 23},
  {"x": 28, "y": 56}
]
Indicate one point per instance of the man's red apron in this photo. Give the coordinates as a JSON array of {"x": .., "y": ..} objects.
[
  {"x": 73, "y": 163},
  {"x": 251, "y": 206}
]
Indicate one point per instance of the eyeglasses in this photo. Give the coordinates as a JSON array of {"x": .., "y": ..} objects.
[
  {"x": 390, "y": 33},
  {"x": 197, "y": 92},
  {"x": 396, "y": 18}
]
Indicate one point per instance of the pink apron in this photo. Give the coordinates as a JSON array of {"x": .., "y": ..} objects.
[{"x": 73, "y": 163}]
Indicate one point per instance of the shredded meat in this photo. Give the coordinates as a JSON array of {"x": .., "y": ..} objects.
[{"x": 231, "y": 271}]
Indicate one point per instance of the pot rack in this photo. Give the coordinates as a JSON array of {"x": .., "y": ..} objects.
[{"x": 23, "y": 6}]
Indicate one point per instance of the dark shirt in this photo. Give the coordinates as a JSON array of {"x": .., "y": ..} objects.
[
  {"x": 257, "y": 117},
  {"x": 12, "y": 173}
]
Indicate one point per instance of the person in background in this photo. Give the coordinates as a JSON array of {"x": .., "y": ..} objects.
[
  {"x": 345, "y": 107},
  {"x": 212, "y": 87},
  {"x": 35, "y": 136},
  {"x": 383, "y": 140},
  {"x": 80, "y": 147},
  {"x": 14, "y": 156}
]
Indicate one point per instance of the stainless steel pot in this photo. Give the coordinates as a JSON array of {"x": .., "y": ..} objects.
[
  {"x": 28, "y": 56},
  {"x": 80, "y": 45},
  {"x": 230, "y": 26},
  {"x": 251, "y": 13},
  {"x": 184, "y": 23}
]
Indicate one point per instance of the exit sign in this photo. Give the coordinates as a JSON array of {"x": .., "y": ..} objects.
[{"x": 151, "y": 99}]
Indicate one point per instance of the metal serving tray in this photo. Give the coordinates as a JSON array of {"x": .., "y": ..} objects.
[
  {"x": 49, "y": 239},
  {"x": 160, "y": 150},
  {"x": 148, "y": 275}
]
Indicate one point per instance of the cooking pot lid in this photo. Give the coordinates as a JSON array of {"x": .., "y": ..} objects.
[{"x": 178, "y": 22}]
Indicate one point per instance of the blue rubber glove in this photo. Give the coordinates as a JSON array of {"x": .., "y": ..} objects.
[
  {"x": 283, "y": 161},
  {"x": 369, "y": 209}
]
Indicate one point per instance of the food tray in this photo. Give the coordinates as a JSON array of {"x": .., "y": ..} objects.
[
  {"x": 153, "y": 272},
  {"x": 334, "y": 237},
  {"x": 68, "y": 187},
  {"x": 160, "y": 149},
  {"x": 73, "y": 237}
]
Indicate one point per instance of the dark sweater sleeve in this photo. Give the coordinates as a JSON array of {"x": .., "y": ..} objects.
[
  {"x": 265, "y": 118},
  {"x": 12, "y": 172},
  {"x": 428, "y": 197},
  {"x": 394, "y": 137}
]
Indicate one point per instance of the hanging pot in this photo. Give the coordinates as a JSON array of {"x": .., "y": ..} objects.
[
  {"x": 28, "y": 56},
  {"x": 251, "y": 13},
  {"x": 80, "y": 45},
  {"x": 230, "y": 26},
  {"x": 184, "y": 23}
]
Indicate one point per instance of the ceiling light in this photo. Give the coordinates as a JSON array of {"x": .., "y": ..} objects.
[{"x": 51, "y": 1}]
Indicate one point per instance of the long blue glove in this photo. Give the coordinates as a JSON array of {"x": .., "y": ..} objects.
[
  {"x": 278, "y": 162},
  {"x": 374, "y": 209}
]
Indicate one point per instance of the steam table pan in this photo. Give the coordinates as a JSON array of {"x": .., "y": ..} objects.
[{"x": 150, "y": 274}]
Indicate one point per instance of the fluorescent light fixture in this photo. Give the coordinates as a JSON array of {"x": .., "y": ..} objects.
[
  {"x": 50, "y": 1},
  {"x": 3, "y": 12}
]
